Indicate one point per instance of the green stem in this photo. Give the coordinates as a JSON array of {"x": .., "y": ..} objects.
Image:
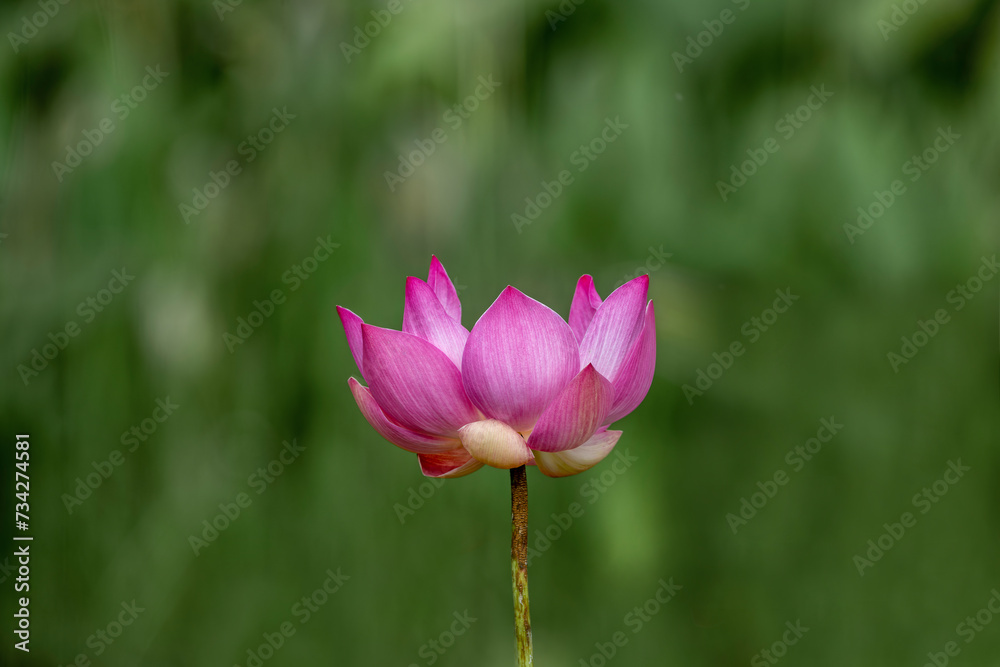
[{"x": 519, "y": 563}]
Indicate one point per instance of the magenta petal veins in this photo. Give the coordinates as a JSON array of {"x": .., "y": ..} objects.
[
  {"x": 586, "y": 301},
  {"x": 411, "y": 441},
  {"x": 415, "y": 383},
  {"x": 445, "y": 290},
  {"x": 524, "y": 387},
  {"x": 615, "y": 325},
  {"x": 518, "y": 358},
  {"x": 424, "y": 316},
  {"x": 577, "y": 412}
]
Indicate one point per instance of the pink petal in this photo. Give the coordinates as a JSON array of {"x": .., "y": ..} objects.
[
  {"x": 456, "y": 463},
  {"x": 577, "y": 412},
  {"x": 518, "y": 358},
  {"x": 424, "y": 316},
  {"x": 445, "y": 290},
  {"x": 614, "y": 327},
  {"x": 586, "y": 301},
  {"x": 352, "y": 328},
  {"x": 635, "y": 375},
  {"x": 411, "y": 441},
  {"x": 415, "y": 383},
  {"x": 495, "y": 444},
  {"x": 573, "y": 461}
]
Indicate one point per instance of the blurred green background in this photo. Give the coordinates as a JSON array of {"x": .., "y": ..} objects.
[{"x": 361, "y": 105}]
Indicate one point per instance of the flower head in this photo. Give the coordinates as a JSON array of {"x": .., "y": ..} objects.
[{"x": 523, "y": 387}]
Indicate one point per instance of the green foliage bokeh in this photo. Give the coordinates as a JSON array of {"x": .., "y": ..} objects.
[{"x": 653, "y": 191}]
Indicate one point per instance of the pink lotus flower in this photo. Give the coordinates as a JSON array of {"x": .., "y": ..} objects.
[{"x": 523, "y": 387}]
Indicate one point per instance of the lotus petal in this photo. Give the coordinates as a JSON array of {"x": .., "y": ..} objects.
[
  {"x": 586, "y": 301},
  {"x": 424, "y": 316},
  {"x": 635, "y": 375},
  {"x": 577, "y": 412},
  {"x": 573, "y": 461},
  {"x": 518, "y": 358},
  {"x": 411, "y": 441},
  {"x": 615, "y": 326},
  {"x": 415, "y": 383},
  {"x": 445, "y": 290},
  {"x": 495, "y": 444},
  {"x": 455, "y": 463},
  {"x": 352, "y": 328}
]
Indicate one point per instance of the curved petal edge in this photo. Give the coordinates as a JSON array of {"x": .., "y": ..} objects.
[
  {"x": 415, "y": 383},
  {"x": 575, "y": 414},
  {"x": 424, "y": 316},
  {"x": 586, "y": 301},
  {"x": 449, "y": 465},
  {"x": 495, "y": 444},
  {"x": 445, "y": 290},
  {"x": 411, "y": 441},
  {"x": 584, "y": 457},
  {"x": 615, "y": 326},
  {"x": 352, "y": 329},
  {"x": 518, "y": 358},
  {"x": 635, "y": 375}
]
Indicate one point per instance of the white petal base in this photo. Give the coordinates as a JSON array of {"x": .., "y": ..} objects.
[{"x": 573, "y": 461}]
